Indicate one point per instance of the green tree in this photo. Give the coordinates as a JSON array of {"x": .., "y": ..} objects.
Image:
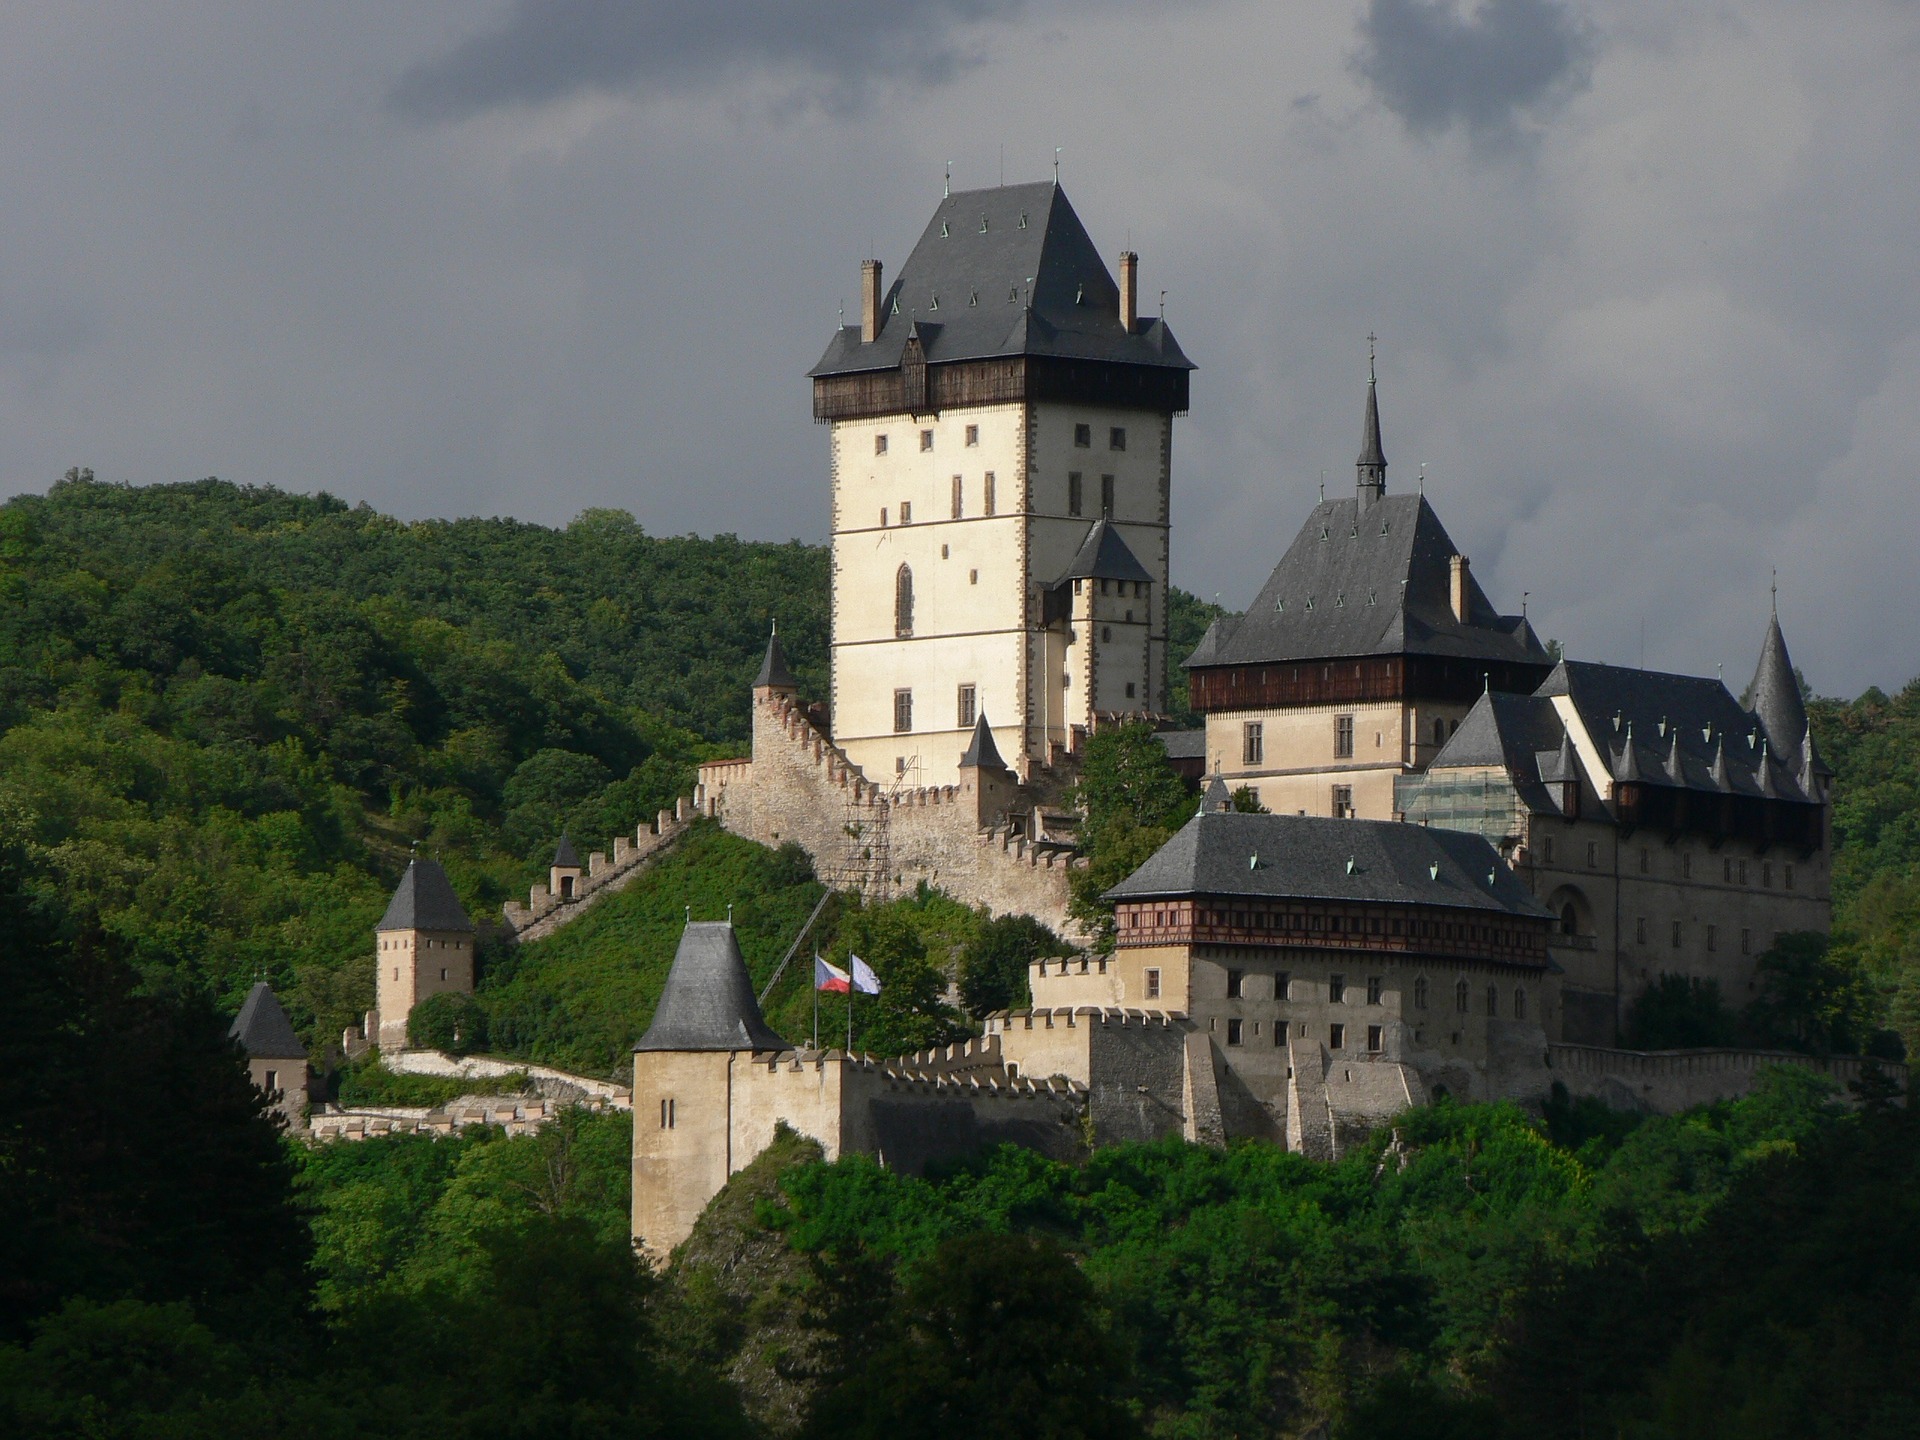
[
  {"x": 450, "y": 1021},
  {"x": 993, "y": 970},
  {"x": 1246, "y": 801},
  {"x": 1679, "y": 1012}
]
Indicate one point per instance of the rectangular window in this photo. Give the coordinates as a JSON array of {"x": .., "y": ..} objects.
[
  {"x": 1233, "y": 1031},
  {"x": 1106, "y": 496},
  {"x": 1593, "y": 854},
  {"x": 1153, "y": 984},
  {"x": 883, "y": 517},
  {"x": 1343, "y": 802},
  {"x": 1337, "y": 989},
  {"x": 273, "y": 1079},
  {"x": 1234, "y": 978},
  {"x": 926, "y": 439},
  {"x": 1766, "y": 874},
  {"x": 1082, "y": 436},
  {"x": 1252, "y": 743},
  {"x": 1519, "y": 1004},
  {"x": 1373, "y": 990},
  {"x": 1280, "y": 983},
  {"x": 959, "y": 498},
  {"x": 966, "y": 707},
  {"x": 1075, "y": 501},
  {"x": 973, "y": 435},
  {"x": 666, "y": 1115},
  {"x": 1374, "y": 1038},
  {"x": 1740, "y": 872},
  {"x": 1713, "y": 937},
  {"x": 1786, "y": 876},
  {"x": 1117, "y": 438},
  {"x": 1420, "y": 993},
  {"x": 1646, "y": 860},
  {"x": 1546, "y": 849},
  {"x": 902, "y": 711},
  {"x": 906, "y": 512},
  {"x": 1640, "y": 931},
  {"x": 1493, "y": 1002},
  {"x": 443, "y": 972},
  {"x": 879, "y": 444},
  {"x": 1686, "y": 867},
  {"x": 1746, "y": 942},
  {"x": 1676, "y": 934},
  {"x": 1343, "y": 737},
  {"x": 1336, "y": 1036},
  {"x": 987, "y": 499}
]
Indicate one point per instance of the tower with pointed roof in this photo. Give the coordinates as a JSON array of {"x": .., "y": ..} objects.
[
  {"x": 994, "y": 406},
  {"x": 423, "y": 946},
  {"x": 276, "y": 1058}
]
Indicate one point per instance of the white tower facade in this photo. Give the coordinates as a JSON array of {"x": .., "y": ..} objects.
[{"x": 1001, "y": 441}]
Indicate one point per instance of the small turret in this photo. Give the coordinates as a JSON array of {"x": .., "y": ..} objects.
[
  {"x": 1216, "y": 801},
  {"x": 774, "y": 671},
  {"x": 563, "y": 876},
  {"x": 1774, "y": 696},
  {"x": 276, "y": 1060},
  {"x": 1371, "y": 468},
  {"x": 424, "y": 947}
]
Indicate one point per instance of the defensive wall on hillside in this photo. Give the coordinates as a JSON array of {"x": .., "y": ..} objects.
[
  {"x": 878, "y": 841},
  {"x": 1667, "y": 1081},
  {"x": 546, "y": 912}
]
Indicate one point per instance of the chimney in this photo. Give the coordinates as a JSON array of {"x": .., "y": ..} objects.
[
  {"x": 869, "y": 301},
  {"x": 1459, "y": 588},
  {"x": 1129, "y": 290}
]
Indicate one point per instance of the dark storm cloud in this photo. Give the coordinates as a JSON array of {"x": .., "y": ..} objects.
[
  {"x": 547, "y": 50},
  {"x": 1435, "y": 65}
]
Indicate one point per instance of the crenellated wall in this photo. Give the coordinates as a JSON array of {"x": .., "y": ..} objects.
[
  {"x": 546, "y": 912},
  {"x": 1667, "y": 1081}
]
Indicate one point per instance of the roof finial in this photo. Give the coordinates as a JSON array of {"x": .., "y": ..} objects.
[
  {"x": 1056, "y": 167},
  {"x": 1773, "y": 590},
  {"x": 946, "y": 189},
  {"x": 1523, "y": 603},
  {"x": 773, "y": 625},
  {"x": 1372, "y": 340}
]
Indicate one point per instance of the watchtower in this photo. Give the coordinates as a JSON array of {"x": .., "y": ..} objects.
[{"x": 424, "y": 945}]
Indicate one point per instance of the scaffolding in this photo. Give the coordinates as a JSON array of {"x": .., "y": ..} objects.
[{"x": 1485, "y": 805}]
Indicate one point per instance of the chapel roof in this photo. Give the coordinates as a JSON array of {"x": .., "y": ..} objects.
[{"x": 1002, "y": 272}]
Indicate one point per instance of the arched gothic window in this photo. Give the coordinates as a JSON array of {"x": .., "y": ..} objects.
[
  {"x": 1569, "y": 919},
  {"x": 1439, "y": 732},
  {"x": 903, "y": 601}
]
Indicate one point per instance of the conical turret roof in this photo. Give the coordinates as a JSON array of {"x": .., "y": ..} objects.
[
  {"x": 1217, "y": 800},
  {"x": 565, "y": 857},
  {"x": 262, "y": 1027},
  {"x": 1774, "y": 696},
  {"x": 774, "y": 670},
  {"x": 708, "y": 1002},
  {"x": 424, "y": 900},
  {"x": 981, "y": 751}
]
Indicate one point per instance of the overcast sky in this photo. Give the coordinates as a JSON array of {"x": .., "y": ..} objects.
[{"x": 1644, "y": 274}]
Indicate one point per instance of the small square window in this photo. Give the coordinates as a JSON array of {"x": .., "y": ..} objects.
[
  {"x": 1336, "y": 1036},
  {"x": 973, "y": 577},
  {"x": 1153, "y": 984},
  {"x": 879, "y": 444},
  {"x": 973, "y": 435},
  {"x": 1233, "y": 1031},
  {"x": 1130, "y": 694},
  {"x": 1375, "y": 1039},
  {"x": 926, "y": 439},
  {"x": 1117, "y": 438},
  {"x": 1082, "y": 436}
]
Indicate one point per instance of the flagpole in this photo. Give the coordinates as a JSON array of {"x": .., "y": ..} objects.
[{"x": 816, "y": 1000}]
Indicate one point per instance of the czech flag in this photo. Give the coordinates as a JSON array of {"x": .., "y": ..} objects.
[{"x": 830, "y": 978}]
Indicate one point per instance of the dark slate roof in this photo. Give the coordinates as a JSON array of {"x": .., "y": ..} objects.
[
  {"x": 424, "y": 900},
  {"x": 565, "y": 857},
  {"x": 262, "y": 1027},
  {"x": 1774, "y": 695},
  {"x": 1684, "y": 730},
  {"x": 774, "y": 669},
  {"x": 981, "y": 751},
  {"x": 708, "y": 1002},
  {"x": 1183, "y": 744},
  {"x": 1307, "y": 857},
  {"x": 1376, "y": 581},
  {"x": 1104, "y": 555},
  {"x": 1373, "y": 454},
  {"x": 1514, "y": 733},
  {"x": 965, "y": 292},
  {"x": 1217, "y": 799}
]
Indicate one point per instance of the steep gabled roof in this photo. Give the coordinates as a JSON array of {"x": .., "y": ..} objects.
[
  {"x": 565, "y": 857},
  {"x": 262, "y": 1027},
  {"x": 1307, "y": 857},
  {"x": 708, "y": 1001},
  {"x": 1511, "y": 733},
  {"x": 774, "y": 669},
  {"x": 1008, "y": 271},
  {"x": 424, "y": 900},
  {"x": 981, "y": 751},
  {"x": 1105, "y": 555},
  {"x": 1372, "y": 581}
]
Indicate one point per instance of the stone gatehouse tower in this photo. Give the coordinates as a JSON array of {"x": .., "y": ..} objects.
[{"x": 1001, "y": 441}]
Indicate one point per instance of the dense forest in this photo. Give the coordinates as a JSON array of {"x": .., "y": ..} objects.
[{"x": 227, "y": 714}]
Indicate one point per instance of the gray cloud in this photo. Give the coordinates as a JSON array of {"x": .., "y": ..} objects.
[
  {"x": 548, "y": 50},
  {"x": 1434, "y": 65}
]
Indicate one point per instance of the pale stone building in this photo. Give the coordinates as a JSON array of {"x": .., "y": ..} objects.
[
  {"x": 276, "y": 1059},
  {"x": 1000, "y": 441},
  {"x": 423, "y": 946}
]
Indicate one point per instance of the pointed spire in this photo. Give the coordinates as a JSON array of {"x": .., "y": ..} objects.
[
  {"x": 982, "y": 753},
  {"x": 1774, "y": 696},
  {"x": 1371, "y": 468},
  {"x": 774, "y": 673},
  {"x": 565, "y": 857},
  {"x": 1769, "y": 787},
  {"x": 1217, "y": 801},
  {"x": 1626, "y": 769},
  {"x": 1676, "y": 763},
  {"x": 1721, "y": 780}
]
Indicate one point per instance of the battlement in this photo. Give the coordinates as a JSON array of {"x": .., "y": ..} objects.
[
  {"x": 972, "y": 1070},
  {"x": 546, "y": 912},
  {"x": 1667, "y": 1081},
  {"x": 1001, "y": 1021}
]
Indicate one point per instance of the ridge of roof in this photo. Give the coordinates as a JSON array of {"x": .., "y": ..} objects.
[
  {"x": 1004, "y": 271},
  {"x": 262, "y": 1027},
  {"x": 708, "y": 1001},
  {"x": 424, "y": 900},
  {"x": 1317, "y": 857},
  {"x": 1104, "y": 555}
]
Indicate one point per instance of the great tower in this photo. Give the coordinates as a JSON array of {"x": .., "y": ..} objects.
[{"x": 1001, "y": 442}]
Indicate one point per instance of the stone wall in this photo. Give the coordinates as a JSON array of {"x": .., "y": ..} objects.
[
  {"x": 1666, "y": 1081},
  {"x": 516, "y": 1114},
  {"x": 546, "y": 912},
  {"x": 879, "y": 842},
  {"x": 1133, "y": 1064}
]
